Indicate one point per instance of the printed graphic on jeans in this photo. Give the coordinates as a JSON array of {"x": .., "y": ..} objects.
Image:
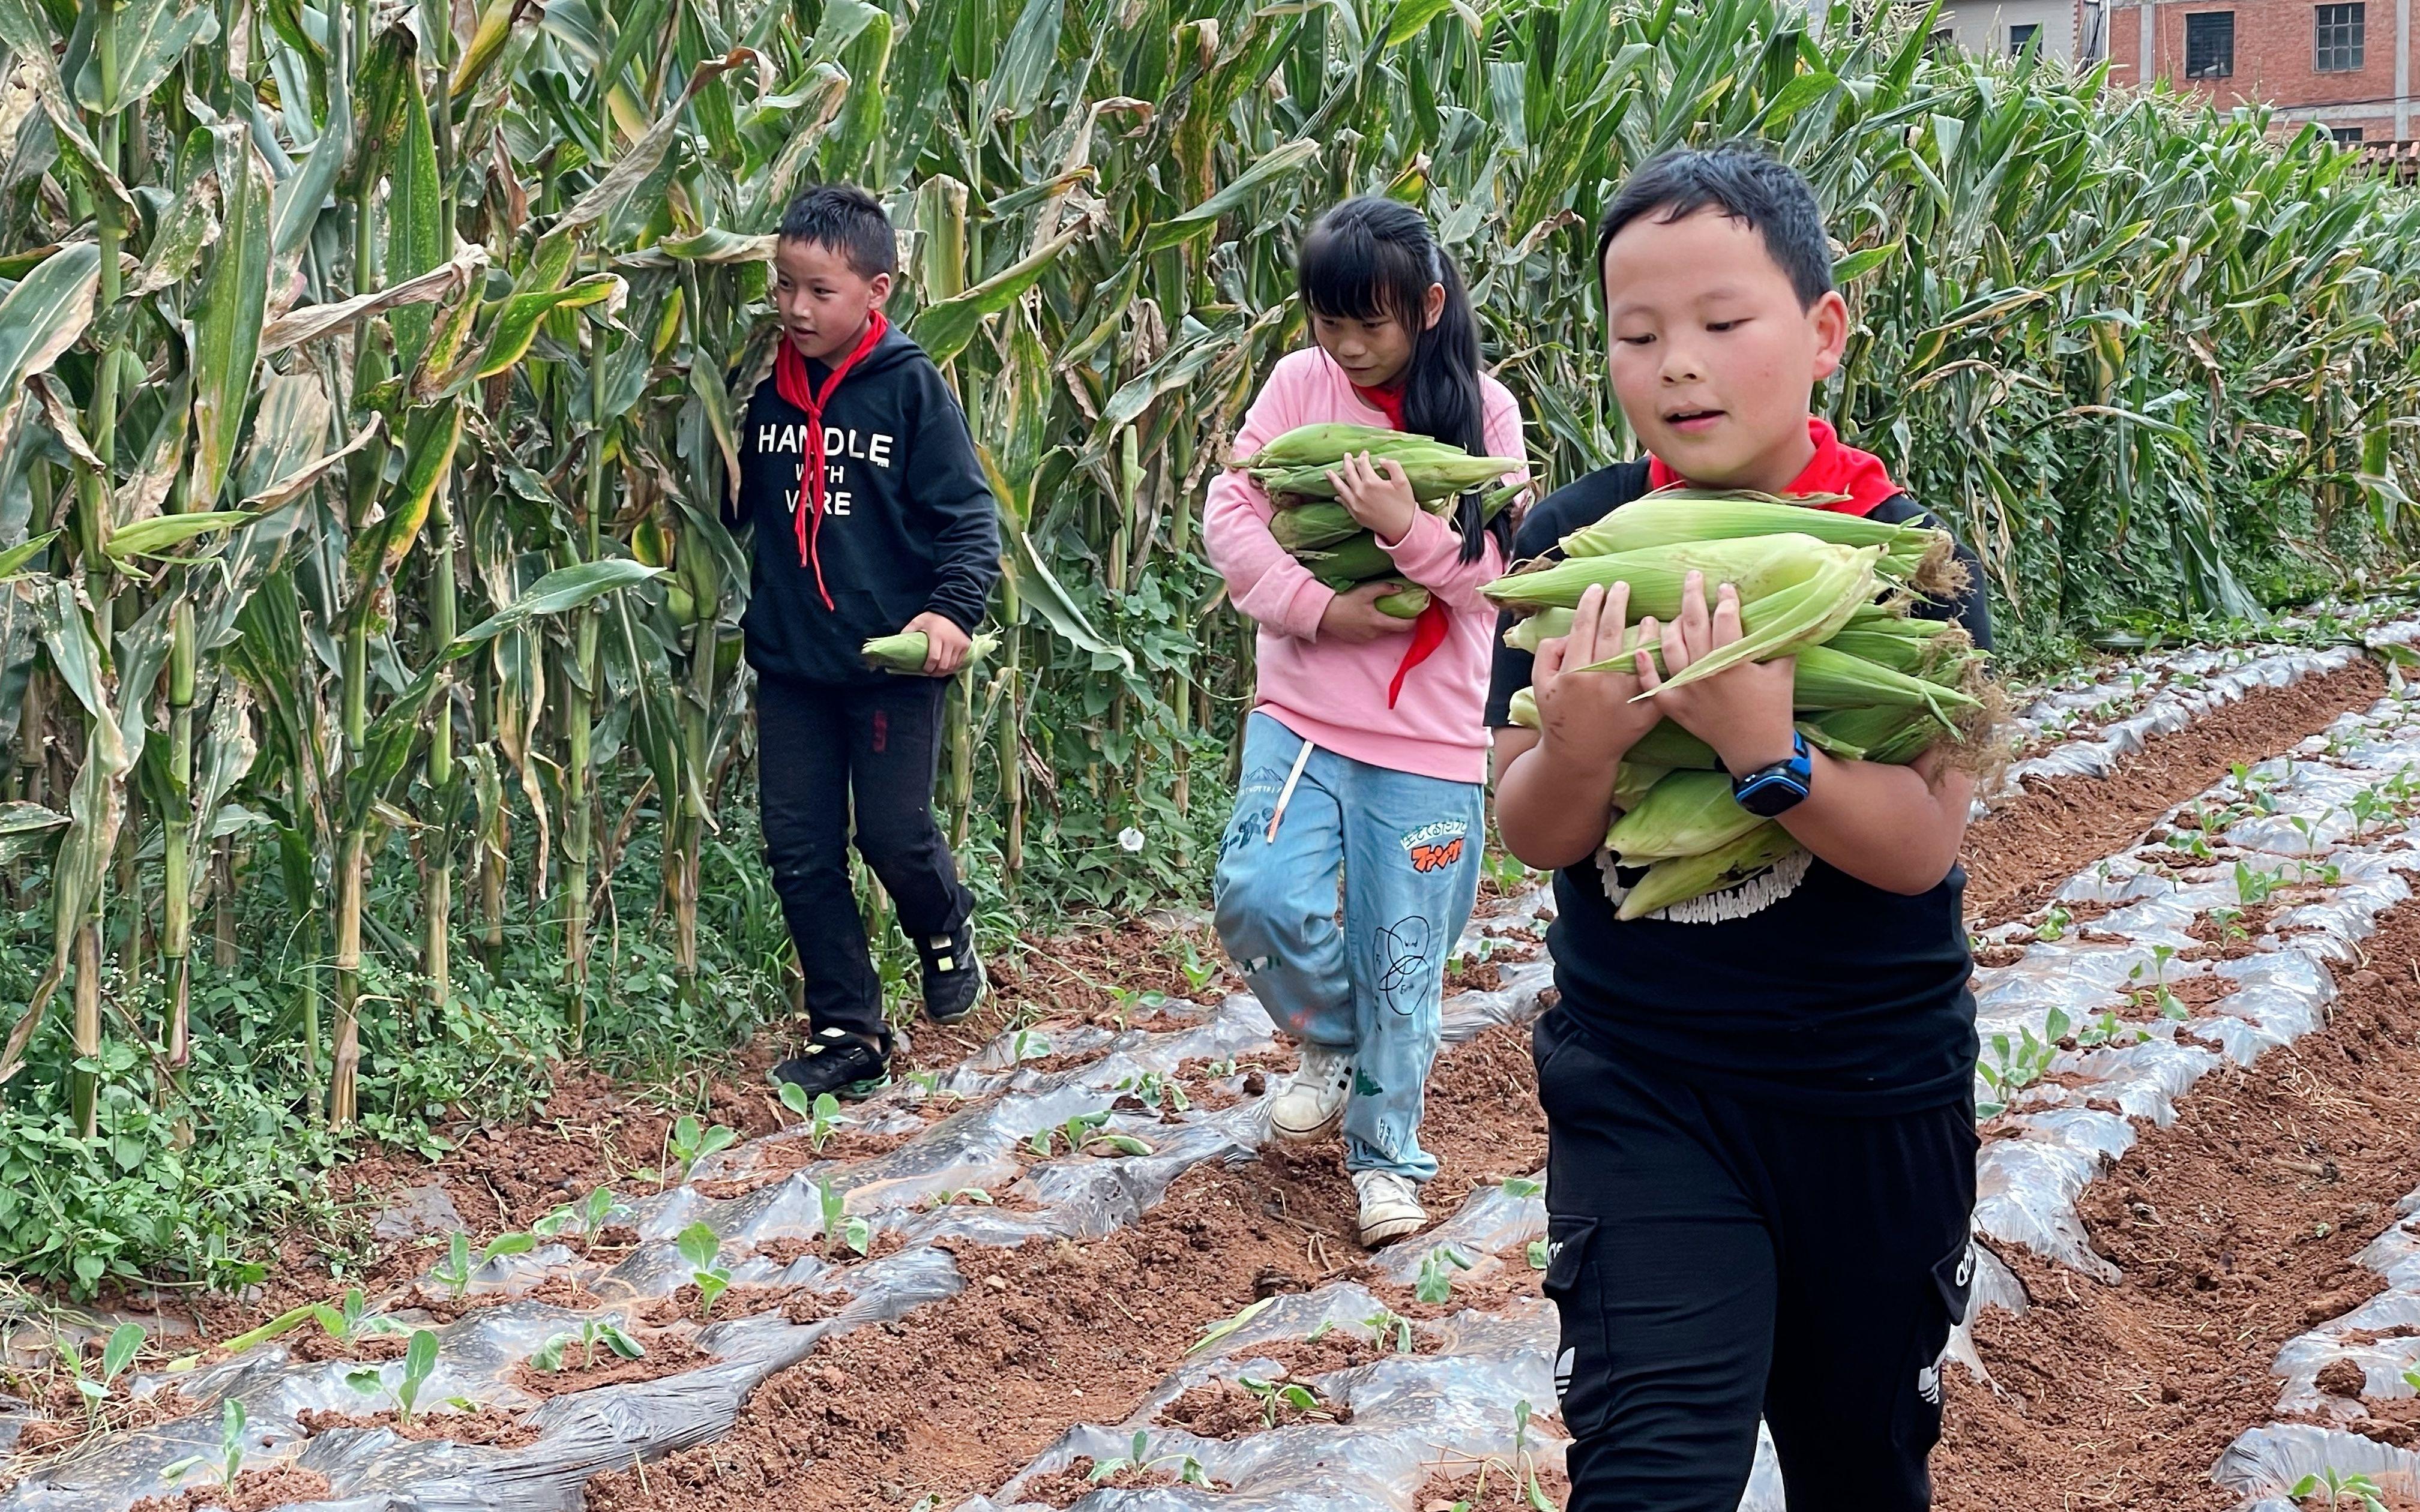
[
  {"x": 1438, "y": 846},
  {"x": 1403, "y": 963}
]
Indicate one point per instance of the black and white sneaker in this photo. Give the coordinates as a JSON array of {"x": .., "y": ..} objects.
[
  {"x": 954, "y": 978},
  {"x": 838, "y": 1062}
]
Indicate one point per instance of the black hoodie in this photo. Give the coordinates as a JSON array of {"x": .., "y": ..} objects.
[{"x": 909, "y": 526}]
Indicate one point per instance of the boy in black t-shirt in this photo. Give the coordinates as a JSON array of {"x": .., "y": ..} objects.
[{"x": 1761, "y": 1164}]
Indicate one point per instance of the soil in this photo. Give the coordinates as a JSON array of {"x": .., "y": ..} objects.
[
  {"x": 667, "y": 1355},
  {"x": 1066, "y": 1487},
  {"x": 2030, "y": 844},
  {"x": 492, "y": 1428},
  {"x": 2236, "y": 1230},
  {"x": 255, "y": 1490},
  {"x": 1494, "y": 1490},
  {"x": 1057, "y": 1333}
]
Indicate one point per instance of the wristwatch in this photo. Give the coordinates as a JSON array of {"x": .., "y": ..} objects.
[{"x": 1771, "y": 791}]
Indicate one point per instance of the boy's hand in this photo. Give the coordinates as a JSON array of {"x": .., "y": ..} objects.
[
  {"x": 945, "y": 644},
  {"x": 1355, "y": 618},
  {"x": 1378, "y": 494},
  {"x": 1587, "y": 716},
  {"x": 1742, "y": 711}
]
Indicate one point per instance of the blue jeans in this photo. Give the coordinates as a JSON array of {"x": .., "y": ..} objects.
[{"x": 1407, "y": 850}]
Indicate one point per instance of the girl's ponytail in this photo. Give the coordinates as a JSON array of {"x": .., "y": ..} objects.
[{"x": 1372, "y": 257}]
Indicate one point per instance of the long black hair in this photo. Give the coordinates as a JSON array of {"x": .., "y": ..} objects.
[{"x": 1369, "y": 258}]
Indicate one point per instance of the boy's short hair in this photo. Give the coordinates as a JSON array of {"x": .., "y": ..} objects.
[
  {"x": 850, "y": 222},
  {"x": 1746, "y": 184}
]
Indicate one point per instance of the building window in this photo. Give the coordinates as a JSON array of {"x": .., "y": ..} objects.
[
  {"x": 2338, "y": 37},
  {"x": 2347, "y": 136},
  {"x": 2021, "y": 37},
  {"x": 2210, "y": 45}
]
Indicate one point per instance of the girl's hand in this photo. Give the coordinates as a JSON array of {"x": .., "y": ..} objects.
[
  {"x": 1742, "y": 711},
  {"x": 1378, "y": 494},
  {"x": 945, "y": 644},
  {"x": 1587, "y": 716},
  {"x": 1356, "y": 619}
]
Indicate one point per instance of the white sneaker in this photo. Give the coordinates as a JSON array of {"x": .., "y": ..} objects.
[
  {"x": 1311, "y": 1102},
  {"x": 1390, "y": 1207}
]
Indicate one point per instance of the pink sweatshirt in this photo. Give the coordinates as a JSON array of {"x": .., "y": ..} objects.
[{"x": 1331, "y": 693}]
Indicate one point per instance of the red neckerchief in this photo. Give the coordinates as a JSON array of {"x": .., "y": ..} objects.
[
  {"x": 790, "y": 381},
  {"x": 1837, "y": 469},
  {"x": 1429, "y": 630}
]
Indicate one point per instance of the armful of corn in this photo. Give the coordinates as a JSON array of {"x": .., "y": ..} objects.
[{"x": 1873, "y": 683}]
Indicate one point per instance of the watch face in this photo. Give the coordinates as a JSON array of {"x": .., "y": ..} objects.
[{"x": 1769, "y": 794}]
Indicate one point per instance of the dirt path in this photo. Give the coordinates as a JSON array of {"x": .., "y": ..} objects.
[
  {"x": 2021, "y": 852},
  {"x": 1052, "y": 1334},
  {"x": 2235, "y": 1230}
]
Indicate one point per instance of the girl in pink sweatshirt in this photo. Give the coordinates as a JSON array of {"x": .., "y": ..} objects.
[{"x": 1366, "y": 750}]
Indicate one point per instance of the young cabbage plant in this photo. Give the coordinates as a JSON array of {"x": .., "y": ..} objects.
[{"x": 702, "y": 1249}]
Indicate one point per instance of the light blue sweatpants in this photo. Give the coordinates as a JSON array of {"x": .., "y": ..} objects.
[{"x": 1407, "y": 849}]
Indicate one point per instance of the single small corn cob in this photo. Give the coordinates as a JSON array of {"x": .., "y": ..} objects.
[
  {"x": 1688, "y": 814},
  {"x": 1889, "y": 737},
  {"x": 1925, "y": 558},
  {"x": 1305, "y": 445},
  {"x": 905, "y": 653},
  {"x": 1405, "y": 603},
  {"x": 1433, "y": 474},
  {"x": 1356, "y": 559},
  {"x": 1312, "y": 526},
  {"x": 1684, "y": 877},
  {"x": 1830, "y": 678}
]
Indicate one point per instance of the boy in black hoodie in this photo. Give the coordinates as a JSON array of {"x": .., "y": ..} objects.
[{"x": 871, "y": 517}]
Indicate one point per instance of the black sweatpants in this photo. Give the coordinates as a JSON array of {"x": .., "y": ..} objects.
[
  {"x": 817, "y": 747},
  {"x": 1714, "y": 1259}
]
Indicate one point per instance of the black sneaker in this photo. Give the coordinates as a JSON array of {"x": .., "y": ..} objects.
[
  {"x": 954, "y": 979},
  {"x": 838, "y": 1062}
]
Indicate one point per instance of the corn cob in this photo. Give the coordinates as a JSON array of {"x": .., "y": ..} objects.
[
  {"x": 1634, "y": 782},
  {"x": 1356, "y": 559},
  {"x": 1923, "y": 557},
  {"x": 1684, "y": 877},
  {"x": 1305, "y": 445},
  {"x": 1757, "y": 565},
  {"x": 1405, "y": 603},
  {"x": 1433, "y": 474},
  {"x": 905, "y": 653},
  {"x": 1830, "y": 678},
  {"x": 1311, "y": 526},
  {"x": 1688, "y": 814}
]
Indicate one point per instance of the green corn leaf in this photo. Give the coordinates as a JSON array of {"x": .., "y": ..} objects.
[
  {"x": 153, "y": 36},
  {"x": 226, "y": 340},
  {"x": 944, "y": 329},
  {"x": 158, "y": 534},
  {"x": 1278, "y": 163}
]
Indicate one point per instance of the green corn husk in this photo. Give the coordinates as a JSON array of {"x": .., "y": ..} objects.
[
  {"x": 1357, "y": 559},
  {"x": 1830, "y": 678},
  {"x": 1889, "y": 737},
  {"x": 904, "y": 653},
  {"x": 1906, "y": 654},
  {"x": 1684, "y": 877},
  {"x": 1312, "y": 526},
  {"x": 1330, "y": 441},
  {"x": 1405, "y": 603},
  {"x": 1688, "y": 814},
  {"x": 1633, "y": 780},
  {"x": 1433, "y": 475},
  {"x": 1925, "y": 558},
  {"x": 1758, "y": 566},
  {"x": 1806, "y": 613}
]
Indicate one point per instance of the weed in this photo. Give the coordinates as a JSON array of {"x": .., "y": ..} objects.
[
  {"x": 592, "y": 1333},
  {"x": 419, "y": 1363},
  {"x": 688, "y": 1143},
  {"x": 232, "y": 1418},
  {"x": 1188, "y": 1470},
  {"x": 703, "y": 1250},
  {"x": 1523, "y": 1468}
]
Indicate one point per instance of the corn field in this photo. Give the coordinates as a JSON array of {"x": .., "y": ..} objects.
[{"x": 368, "y": 386}]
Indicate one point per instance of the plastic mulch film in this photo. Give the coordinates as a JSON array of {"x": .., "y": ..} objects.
[
  {"x": 752, "y": 1196},
  {"x": 2073, "y": 1111},
  {"x": 2379, "y": 1339}
]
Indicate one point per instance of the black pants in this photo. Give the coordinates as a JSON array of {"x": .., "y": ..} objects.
[
  {"x": 817, "y": 747},
  {"x": 1715, "y": 1259}
]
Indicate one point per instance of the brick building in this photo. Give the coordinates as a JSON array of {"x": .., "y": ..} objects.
[{"x": 2349, "y": 66}]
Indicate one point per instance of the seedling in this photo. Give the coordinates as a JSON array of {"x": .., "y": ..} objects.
[
  {"x": 1436, "y": 1283},
  {"x": 2157, "y": 995},
  {"x": 2015, "y": 1067},
  {"x": 702, "y": 1249},
  {"x": 2230, "y": 922},
  {"x": 351, "y": 1319},
  {"x": 688, "y": 1143},
  {"x": 1188, "y": 1470},
  {"x": 822, "y": 1114},
  {"x": 840, "y": 1226},
  {"x": 1197, "y": 971},
  {"x": 1221, "y": 1069},
  {"x": 2251, "y": 888},
  {"x": 1152, "y": 1090},
  {"x": 454, "y": 1271},
  {"x": 1275, "y": 1395},
  {"x": 1537, "y": 1253},
  {"x": 1522, "y": 1467},
  {"x": 962, "y": 1194},
  {"x": 1028, "y": 1044},
  {"x": 230, "y": 1462},
  {"x": 125, "y": 1342},
  {"x": 592, "y": 1333},
  {"x": 2055, "y": 924},
  {"x": 2341, "y": 1491},
  {"x": 1386, "y": 1321},
  {"x": 1075, "y": 1131},
  {"x": 419, "y": 1363},
  {"x": 1521, "y": 1187},
  {"x": 2370, "y": 806}
]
